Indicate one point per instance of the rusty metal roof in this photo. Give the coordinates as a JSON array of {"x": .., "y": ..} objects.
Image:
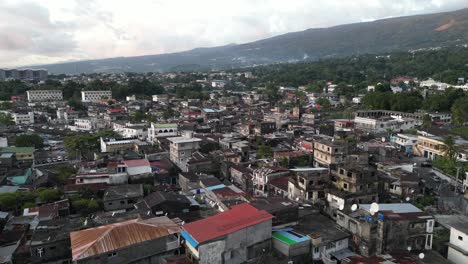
[{"x": 96, "y": 241}]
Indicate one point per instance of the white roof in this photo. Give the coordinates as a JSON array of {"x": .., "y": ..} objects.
[
  {"x": 398, "y": 208},
  {"x": 178, "y": 140}
]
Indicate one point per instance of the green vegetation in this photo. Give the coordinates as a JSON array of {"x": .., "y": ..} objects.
[
  {"x": 449, "y": 166},
  {"x": 86, "y": 206},
  {"x": 49, "y": 195},
  {"x": 425, "y": 201},
  {"x": 405, "y": 102},
  {"x": 264, "y": 152},
  {"x": 29, "y": 141},
  {"x": 64, "y": 173},
  {"x": 6, "y": 119},
  {"x": 462, "y": 131},
  {"x": 460, "y": 111},
  {"x": 16, "y": 201},
  {"x": 84, "y": 146}
]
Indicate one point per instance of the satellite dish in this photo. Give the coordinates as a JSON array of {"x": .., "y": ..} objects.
[
  {"x": 409, "y": 248},
  {"x": 374, "y": 208},
  {"x": 297, "y": 199},
  {"x": 383, "y": 139},
  {"x": 408, "y": 199},
  {"x": 341, "y": 207},
  {"x": 354, "y": 207},
  {"x": 421, "y": 255}
]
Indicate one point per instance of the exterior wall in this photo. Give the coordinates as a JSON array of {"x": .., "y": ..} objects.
[
  {"x": 237, "y": 247},
  {"x": 44, "y": 95},
  {"x": 149, "y": 252},
  {"x": 138, "y": 170},
  {"x": 94, "y": 96},
  {"x": 181, "y": 152},
  {"x": 457, "y": 246},
  {"x": 42, "y": 252},
  {"x": 428, "y": 147},
  {"x": 23, "y": 119}
]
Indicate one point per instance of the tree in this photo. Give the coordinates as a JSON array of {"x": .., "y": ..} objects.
[
  {"x": 271, "y": 91},
  {"x": 450, "y": 149},
  {"x": 324, "y": 104},
  {"x": 6, "y": 119},
  {"x": 460, "y": 111},
  {"x": 50, "y": 195},
  {"x": 427, "y": 121},
  {"x": 29, "y": 141},
  {"x": 264, "y": 152},
  {"x": 64, "y": 173}
]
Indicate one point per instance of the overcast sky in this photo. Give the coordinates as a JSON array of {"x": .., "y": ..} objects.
[{"x": 47, "y": 31}]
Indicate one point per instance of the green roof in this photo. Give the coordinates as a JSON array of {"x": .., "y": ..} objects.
[
  {"x": 21, "y": 179},
  {"x": 17, "y": 150},
  {"x": 284, "y": 239},
  {"x": 164, "y": 125}
]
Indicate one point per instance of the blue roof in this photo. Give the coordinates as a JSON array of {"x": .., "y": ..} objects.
[
  {"x": 219, "y": 186},
  {"x": 208, "y": 110},
  {"x": 189, "y": 238}
]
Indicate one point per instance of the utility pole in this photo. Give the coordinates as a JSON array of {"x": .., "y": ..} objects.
[{"x": 456, "y": 182}]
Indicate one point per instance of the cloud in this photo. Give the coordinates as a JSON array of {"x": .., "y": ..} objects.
[{"x": 61, "y": 30}]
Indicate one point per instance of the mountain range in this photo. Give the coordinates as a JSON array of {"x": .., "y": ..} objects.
[{"x": 376, "y": 37}]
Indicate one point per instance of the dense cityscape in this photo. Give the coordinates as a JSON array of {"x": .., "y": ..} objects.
[{"x": 352, "y": 159}]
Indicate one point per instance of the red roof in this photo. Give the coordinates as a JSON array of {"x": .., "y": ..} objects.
[
  {"x": 136, "y": 163},
  {"x": 115, "y": 110},
  {"x": 239, "y": 217}
]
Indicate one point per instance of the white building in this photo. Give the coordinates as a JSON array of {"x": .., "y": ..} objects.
[
  {"x": 162, "y": 130},
  {"x": 405, "y": 141},
  {"x": 23, "y": 118},
  {"x": 95, "y": 96},
  {"x": 137, "y": 167},
  {"x": 181, "y": 149},
  {"x": 88, "y": 124},
  {"x": 458, "y": 245},
  {"x": 218, "y": 83},
  {"x": 160, "y": 98},
  {"x": 44, "y": 95},
  {"x": 430, "y": 83},
  {"x": 383, "y": 124}
]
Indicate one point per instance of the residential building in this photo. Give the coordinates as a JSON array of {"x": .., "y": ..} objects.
[
  {"x": 23, "y": 118},
  {"x": 95, "y": 96},
  {"x": 308, "y": 184},
  {"x": 24, "y": 74},
  {"x": 182, "y": 148},
  {"x": 132, "y": 241},
  {"x": 44, "y": 95},
  {"x": 88, "y": 124},
  {"x": 122, "y": 197},
  {"x": 116, "y": 145},
  {"x": 165, "y": 203},
  {"x": 385, "y": 124},
  {"x": 237, "y": 235},
  {"x": 137, "y": 166},
  {"x": 161, "y": 98},
  {"x": 394, "y": 227},
  {"x": 405, "y": 142},
  {"x": 458, "y": 245},
  {"x": 262, "y": 176},
  {"x": 328, "y": 153}
]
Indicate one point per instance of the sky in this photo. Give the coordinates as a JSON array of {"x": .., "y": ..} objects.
[{"x": 36, "y": 32}]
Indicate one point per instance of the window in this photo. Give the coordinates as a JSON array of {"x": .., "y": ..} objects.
[
  {"x": 460, "y": 238},
  {"x": 345, "y": 186},
  {"x": 330, "y": 245},
  {"x": 112, "y": 254},
  {"x": 122, "y": 202},
  {"x": 316, "y": 250}
]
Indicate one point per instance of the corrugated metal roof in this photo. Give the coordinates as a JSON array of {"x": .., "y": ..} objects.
[
  {"x": 239, "y": 217},
  {"x": 95, "y": 241}
]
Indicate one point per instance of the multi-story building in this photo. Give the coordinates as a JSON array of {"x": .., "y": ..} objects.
[
  {"x": 406, "y": 142},
  {"x": 328, "y": 153},
  {"x": 262, "y": 176},
  {"x": 24, "y": 74},
  {"x": 182, "y": 148},
  {"x": 44, "y": 95},
  {"x": 237, "y": 235},
  {"x": 393, "y": 227},
  {"x": 95, "y": 96},
  {"x": 354, "y": 183},
  {"x": 263, "y": 128},
  {"x": 23, "y": 118},
  {"x": 458, "y": 245},
  {"x": 160, "y": 98},
  {"x": 383, "y": 124},
  {"x": 308, "y": 184},
  {"x": 87, "y": 124}
]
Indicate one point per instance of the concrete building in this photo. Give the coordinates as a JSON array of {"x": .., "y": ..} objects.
[
  {"x": 182, "y": 148},
  {"x": 162, "y": 130},
  {"x": 383, "y": 124},
  {"x": 235, "y": 236},
  {"x": 133, "y": 241},
  {"x": 458, "y": 245},
  {"x": 88, "y": 124},
  {"x": 328, "y": 153},
  {"x": 308, "y": 184},
  {"x": 24, "y": 74},
  {"x": 394, "y": 227},
  {"x": 95, "y": 96},
  {"x": 429, "y": 146},
  {"x": 405, "y": 142},
  {"x": 262, "y": 176},
  {"x": 23, "y": 118},
  {"x": 161, "y": 98},
  {"x": 44, "y": 95},
  {"x": 122, "y": 197}
]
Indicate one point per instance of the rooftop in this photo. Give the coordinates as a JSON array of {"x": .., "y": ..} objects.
[
  {"x": 95, "y": 241},
  {"x": 239, "y": 217}
]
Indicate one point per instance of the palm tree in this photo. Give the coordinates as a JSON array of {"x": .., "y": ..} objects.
[
  {"x": 427, "y": 121},
  {"x": 450, "y": 149}
]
